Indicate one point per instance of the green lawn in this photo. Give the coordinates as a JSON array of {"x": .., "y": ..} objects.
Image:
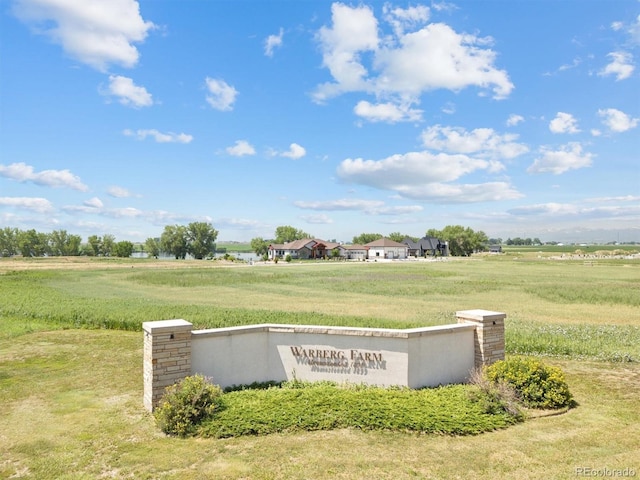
[{"x": 72, "y": 398}]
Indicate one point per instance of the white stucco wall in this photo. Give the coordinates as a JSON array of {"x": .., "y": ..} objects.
[{"x": 416, "y": 358}]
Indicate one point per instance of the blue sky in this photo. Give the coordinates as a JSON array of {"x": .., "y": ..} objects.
[{"x": 518, "y": 118}]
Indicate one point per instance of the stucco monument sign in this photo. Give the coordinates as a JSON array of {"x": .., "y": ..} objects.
[{"x": 415, "y": 358}]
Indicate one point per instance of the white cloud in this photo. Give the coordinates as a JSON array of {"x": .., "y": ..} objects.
[
  {"x": 342, "y": 204},
  {"x": 221, "y": 95},
  {"x": 481, "y": 141},
  {"x": 568, "y": 210},
  {"x": 564, "y": 123},
  {"x": 621, "y": 65},
  {"x": 21, "y": 172},
  {"x": 37, "y": 204},
  {"x": 128, "y": 93},
  {"x": 319, "y": 219},
  {"x": 295, "y": 152},
  {"x": 95, "y": 32},
  {"x": 240, "y": 149},
  {"x": 369, "y": 207},
  {"x": 353, "y": 30},
  {"x": 406, "y": 64},
  {"x": 568, "y": 157},
  {"x": 386, "y": 112},
  {"x": 401, "y": 19},
  {"x": 94, "y": 202},
  {"x": 460, "y": 193},
  {"x": 514, "y": 120},
  {"x": 159, "y": 137},
  {"x": 397, "y": 210},
  {"x": 272, "y": 42},
  {"x": 413, "y": 168},
  {"x": 119, "y": 192},
  {"x": 616, "y": 120}
]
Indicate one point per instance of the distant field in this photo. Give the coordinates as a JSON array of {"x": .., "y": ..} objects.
[{"x": 72, "y": 391}]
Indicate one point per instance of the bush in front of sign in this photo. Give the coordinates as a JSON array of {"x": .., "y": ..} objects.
[
  {"x": 186, "y": 404},
  {"x": 538, "y": 385}
]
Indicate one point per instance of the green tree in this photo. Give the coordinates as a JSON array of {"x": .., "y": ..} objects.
[
  {"x": 365, "y": 238},
  {"x": 399, "y": 237},
  {"x": 8, "y": 241},
  {"x": 123, "y": 249},
  {"x": 95, "y": 245},
  {"x": 108, "y": 244},
  {"x": 285, "y": 234},
  {"x": 462, "y": 241},
  {"x": 174, "y": 241},
  {"x": 33, "y": 244},
  {"x": 201, "y": 239},
  {"x": 260, "y": 246},
  {"x": 64, "y": 244},
  {"x": 153, "y": 247}
]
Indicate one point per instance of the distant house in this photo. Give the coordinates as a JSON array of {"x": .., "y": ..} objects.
[
  {"x": 303, "y": 249},
  {"x": 427, "y": 246},
  {"x": 495, "y": 248},
  {"x": 353, "y": 252},
  {"x": 386, "y": 248}
]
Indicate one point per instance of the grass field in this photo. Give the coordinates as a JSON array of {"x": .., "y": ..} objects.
[{"x": 71, "y": 390}]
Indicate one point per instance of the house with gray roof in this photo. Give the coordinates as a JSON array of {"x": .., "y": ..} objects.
[{"x": 427, "y": 246}]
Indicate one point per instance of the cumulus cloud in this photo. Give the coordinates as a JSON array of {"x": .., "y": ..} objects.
[
  {"x": 514, "y": 120},
  {"x": 240, "y": 149},
  {"x": 295, "y": 152},
  {"x": 221, "y": 95},
  {"x": 272, "y": 42},
  {"x": 127, "y": 92},
  {"x": 159, "y": 137},
  {"x": 119, "y": 192},
  {"x": 621, "y": 65},
  {"x": 95, "y": 32},
  {"x": 568, "y": 157},
  {"x": 616, "y": 120},
  {"x": 36, "y": 204},
  {"x": 386, "y": 112},
  {"x": 94, "y": 202},
  {"x": 398, "y": 68},
  {"x": 564, "y": 123},
  {"x": 21, "y": 172},
  {"x": 460, "y": 193},
  {"x": 485, "y": 142}
]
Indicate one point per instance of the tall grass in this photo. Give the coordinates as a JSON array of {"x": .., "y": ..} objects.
[{"x": 553, "y": 308}]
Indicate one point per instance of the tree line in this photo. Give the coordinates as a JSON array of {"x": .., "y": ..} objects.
[{"x": 196, "y": 239}]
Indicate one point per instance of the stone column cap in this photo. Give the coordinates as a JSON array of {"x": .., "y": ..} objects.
[
  {"x": 480, "y": 315},
  {"x": 159, "y": 326}
]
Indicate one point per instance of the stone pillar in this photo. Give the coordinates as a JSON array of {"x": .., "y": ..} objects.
[
  {"x": 489, "y": 334},
  {"x": 167, "y": 357}
]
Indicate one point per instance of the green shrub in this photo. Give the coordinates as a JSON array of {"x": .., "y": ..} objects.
[
  {"x": 287, "y": 258},
  {"x": 537, "y": 385},
  {"x": 185, "y": 404}
]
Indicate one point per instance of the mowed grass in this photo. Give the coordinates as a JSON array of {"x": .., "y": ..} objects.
[{"x": 72, "y": 398}]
